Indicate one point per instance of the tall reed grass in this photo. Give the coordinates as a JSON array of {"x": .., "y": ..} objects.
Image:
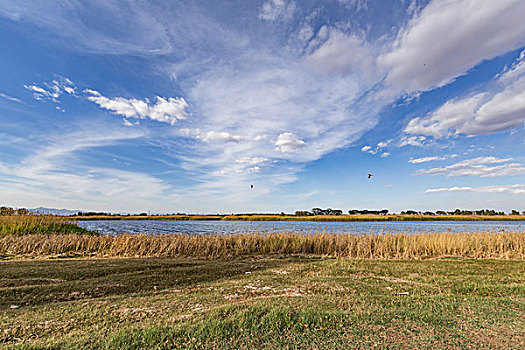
[
  {"x": 19, "y": 225},
  {"x": 387, "y": 246}
]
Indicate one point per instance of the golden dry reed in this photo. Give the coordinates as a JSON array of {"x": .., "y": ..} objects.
[
  {"x": 30, "y": 224},
  {"x": 384, "y": 246}
]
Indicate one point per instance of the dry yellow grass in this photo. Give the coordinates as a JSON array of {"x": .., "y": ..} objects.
[{"x": 387, "y": 246}]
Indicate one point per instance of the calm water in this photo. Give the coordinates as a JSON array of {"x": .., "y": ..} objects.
[{"x": 233, "y": 227}]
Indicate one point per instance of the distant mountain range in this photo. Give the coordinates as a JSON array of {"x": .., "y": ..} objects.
[{"x": 53, "y": 211}]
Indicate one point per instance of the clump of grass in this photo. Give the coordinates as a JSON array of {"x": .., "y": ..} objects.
[
  {"x": 384, "y": 246},
  {"x": 19, "y": 225},
  {"x": 243, "y": 327}
]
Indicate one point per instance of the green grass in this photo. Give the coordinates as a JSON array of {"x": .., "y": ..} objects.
[{"x": 271, "y": 302}]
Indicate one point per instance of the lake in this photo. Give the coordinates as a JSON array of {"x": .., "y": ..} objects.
[{"x": 308, "y": 227}]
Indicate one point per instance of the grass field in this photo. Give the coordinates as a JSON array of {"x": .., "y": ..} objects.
[
  {"x": 271, "y": 302},
  {"x": 251, "y": 291}
]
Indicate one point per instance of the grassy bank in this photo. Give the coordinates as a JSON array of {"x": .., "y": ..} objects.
[
  {"x": 386, "y": 246},
  {"x": 267, "y": 302},
  {"x": 322, "y": 218},
  {"x": 19, "y": 225}
]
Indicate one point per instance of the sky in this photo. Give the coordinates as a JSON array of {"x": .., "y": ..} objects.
[{"x": 180, "y": 106}]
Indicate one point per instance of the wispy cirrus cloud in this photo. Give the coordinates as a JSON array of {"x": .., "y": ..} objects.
[
  {"x": 53, "y": 174},
  {"x": 342, "y": 53},
  {"x": 430, "y": 159},
  {"x": 480, "y": 166},
  {"x": 512, "y": 189},
  {"x": 10, "y": 98},
  {"x": 86, "y": 26},
  {"x": 273, "y": 10},
  {"x": 252, "y": 161}
]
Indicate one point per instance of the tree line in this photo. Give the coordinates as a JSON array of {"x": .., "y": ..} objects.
[
  {"x": 7, "y": 211},
  {"x": 336, "y": 212}
]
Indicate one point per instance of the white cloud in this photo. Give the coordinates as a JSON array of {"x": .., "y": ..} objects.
[
  {"x": 252, "y": 161},
  {"x": 163, "y": 110},
  {"x": 447, "y": 38},
  {"x": 513, "y": 189},
  {"x": 377, "y": 149},
  {"x": 449, "y": 116},
  {"x": 273, "y": 10},
  {"x": 10, "y": 98},
  {"x": 289, "y": 143},
  {"x": 211, "y": 136},
  {"x": 416, "y": 141},
  {"x": 40, "y": 93},
  {"x": 426, "y": 159},
  {"x": 500, "y": 108},
  {"x": 481, "y": 166},
  {"x": 342, "y": 53},
  {"x": 53, "y": 90},
  {"x": 129, "y": 123},
  {"x": 218, "y": 136}
]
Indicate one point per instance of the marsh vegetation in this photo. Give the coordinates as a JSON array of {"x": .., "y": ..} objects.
[
  {"x": 34, "y": 235},
  {"x": 19, "y": 225},
  {"x": 388, "y": 246},
  {"x": 64, "y": 289}
]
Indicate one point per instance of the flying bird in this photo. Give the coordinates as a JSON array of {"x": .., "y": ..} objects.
[{"x": 370, "y": 175}]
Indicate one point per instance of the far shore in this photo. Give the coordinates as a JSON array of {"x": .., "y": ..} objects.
[{"x": 322, "y": 218}]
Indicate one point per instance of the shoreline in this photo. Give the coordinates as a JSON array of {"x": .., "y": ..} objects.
[{"x": 321, "y": 218}]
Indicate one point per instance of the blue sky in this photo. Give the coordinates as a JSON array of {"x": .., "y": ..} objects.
[{"x": 171, "y": 106}]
